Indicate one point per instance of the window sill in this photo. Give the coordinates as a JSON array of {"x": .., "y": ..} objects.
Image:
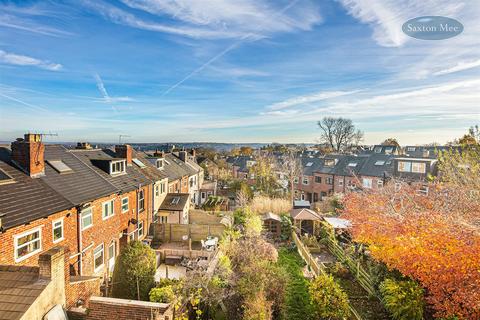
[
  {"x": 58, "y": 240},
  {"x": 107, "y": 217},
  {"x": 31, "y": 254}
]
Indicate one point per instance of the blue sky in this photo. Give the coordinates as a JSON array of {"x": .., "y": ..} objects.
[{"x": 234, "y": 71}]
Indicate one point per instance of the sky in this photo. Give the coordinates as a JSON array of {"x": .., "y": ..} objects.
[{"x": 235, "y": 71}]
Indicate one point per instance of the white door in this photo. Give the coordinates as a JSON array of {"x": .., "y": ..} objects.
[{"x": 111, "y": 256}]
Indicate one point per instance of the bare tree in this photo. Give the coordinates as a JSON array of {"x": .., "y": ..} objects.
[
  {"x": 339, "y": 133},
  {"x": 291, "y": 168}
]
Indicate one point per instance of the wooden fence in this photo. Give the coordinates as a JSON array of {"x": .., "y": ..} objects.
[
  {"x": 192, "y": 254},
  {"x": 168, "y": 232},
  {"x": 362, "y": 276},
  {"x": 317, "y": 267}
]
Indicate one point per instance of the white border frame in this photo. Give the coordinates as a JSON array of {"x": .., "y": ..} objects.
[
  {"x": 63, "y": 230},
  {"x": 83, "y": 228},
  {"x": 95, "y": 270},
  {"x": 15, "y": 246},
  {"x": 112, "y": 201},
  {"x": 121, "y": 205}
]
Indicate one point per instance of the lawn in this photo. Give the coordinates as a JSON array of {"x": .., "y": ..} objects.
[{"x": 297, "y": 298}]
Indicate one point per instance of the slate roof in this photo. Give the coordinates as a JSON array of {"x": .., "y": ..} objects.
[
  {"x": 240, "y": 162},
  {"x": 418, "y": 151},
  {"x": 19, "y": 287},
  {"x": 169, "y": 205},
  {"x": 150, "y": 170},
  {"x": 26, "y": 199},
  {"x": 79, "y": 186},
  {"x": 173, "y": 167},
  {"x": 123, "y": 182},
  {"x": 370, "y": 168}
]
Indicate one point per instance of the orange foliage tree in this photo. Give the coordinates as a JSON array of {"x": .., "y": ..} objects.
[{"x": 433, "y": 238}]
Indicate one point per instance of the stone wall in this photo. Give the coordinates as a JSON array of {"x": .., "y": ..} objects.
[{"x": 102, "y": 308}]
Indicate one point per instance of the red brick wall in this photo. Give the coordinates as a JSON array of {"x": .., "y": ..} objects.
[
  {"x": 7, "y": 251},
  {"x": 119, "y": 309},
  {"x": 102, "y": 231},
  {"x": 83, "y": 290}
]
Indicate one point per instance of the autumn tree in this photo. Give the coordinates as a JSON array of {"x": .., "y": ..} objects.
[
  {"x": 291, "y": 168},
  {"x": 391, "y": 142},
  {"x": 246, "y": 151},
  {"x": 264, "y": 172},
  {"x": 433, "y": 238},
  {"x": 339, "y": 133}
]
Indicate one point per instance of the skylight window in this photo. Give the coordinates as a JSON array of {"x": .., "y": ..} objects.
[
  {"x": 175, "y": 200},
  {"x": 59, "y": 166},
  {"x": 138, "y": 163},
  {"x": 352, "y": 164},
  {"x": 5, "y": 177},
  {"x": 309, "y": 164},
  {"x": 380, "y": 163}
]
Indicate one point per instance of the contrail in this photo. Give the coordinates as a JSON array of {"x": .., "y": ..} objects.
[
  {"x": 231, "y": 47},
  {"x": 25, "y": 103}
]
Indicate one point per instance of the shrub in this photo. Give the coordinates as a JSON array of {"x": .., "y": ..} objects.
[
  {"x": 253, "y": 224},
  {"x": 239, "y": 217},
  {"x": 134, "y": 273},
  {"x": 163, "y": 294},
  {"x": 329, "y": 300},
  {"x": 339, "y": 270},
  {"x": 286, "y": 228},
  {"x": 403, "y": 299}
]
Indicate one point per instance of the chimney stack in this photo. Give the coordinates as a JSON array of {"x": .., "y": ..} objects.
[
  {"x": 194, "y": 153},
  {"x": 183, "y": 155},
  {"x": 124, "y": 151},
  {"x": 83, "y": 146},
  {"x": 28, "y": 153},
  {"x": 159, "y": 154}
]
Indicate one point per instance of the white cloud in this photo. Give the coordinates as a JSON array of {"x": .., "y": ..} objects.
[
  {"x": 214, "y": 19},
  {"x": 20, "y": 60},
  {"x": 309, "y": 99},
  {"x": 461, "y": 66}
]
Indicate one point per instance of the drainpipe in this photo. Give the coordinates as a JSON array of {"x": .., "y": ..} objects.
[{"x": 80, "y": 241}]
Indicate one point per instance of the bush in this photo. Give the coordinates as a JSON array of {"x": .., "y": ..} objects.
[
  {"x": 403, "y": 299},
  {"x": 339, "y": 270},
  {"x": 329, "y": 300},
  {"x": 134, "y": 273},
  {"x": 164, "y": 294},
  {"x": 239, "y": 217}
]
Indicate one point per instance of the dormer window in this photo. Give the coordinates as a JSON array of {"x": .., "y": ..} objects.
[
  {"x": 330, "y": 162},
  {"x": 388, "y": 150},
  {"x": 159, "y": 164},
  {"x": 117, "y": 167},
  {"x": 377, "y": 149}
]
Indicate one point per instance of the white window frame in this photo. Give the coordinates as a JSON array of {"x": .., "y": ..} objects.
[
  {"x": 162, "y": 188},
  {"x": 295, "y": 180},
  {"x": 367, "y": 185},
  {"x": 140, "y": 228},
  {"x": 82, "y": 217},
  {"x": 127, "y": 204},
  {"x": 141, "y": 192},
  {"x": 379, "y": 183},
  {"x": 305, "y": 181},
  {"x": 159, "y": 167},
  {"x": 340, "y": 182},
  {"x": 113, "y": 165},
  {"x": 203, "y": 195},
  {"x": 157, "y": 190},
  {"x": 419, "y": 164},
  {"x": 26, "y": 233},
  {"x": 98, "y": 268},
  {"x": 53, "y": 230},
  {"x": 111, "y": 204},
  {"x": 404, "y": 166}
]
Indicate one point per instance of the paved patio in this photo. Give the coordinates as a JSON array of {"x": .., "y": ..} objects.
[{"x": 174, "y": 272}]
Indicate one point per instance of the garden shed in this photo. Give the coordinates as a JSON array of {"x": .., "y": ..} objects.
[
  {"x": 306, "y": 220},
  {"x": 272, "y": 223}
]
